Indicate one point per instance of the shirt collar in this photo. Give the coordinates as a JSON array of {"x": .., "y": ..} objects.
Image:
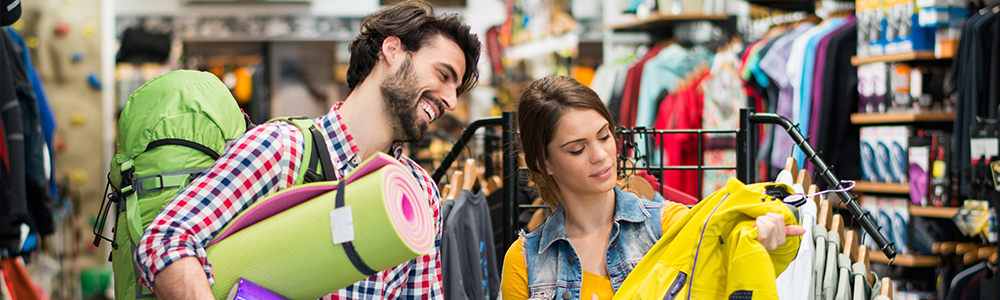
[
  {"x": 345, "y": 151},
  {"x": 628, "y": 208}
]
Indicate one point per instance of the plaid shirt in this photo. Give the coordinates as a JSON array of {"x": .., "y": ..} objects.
[{"x": 263, "y": 161}]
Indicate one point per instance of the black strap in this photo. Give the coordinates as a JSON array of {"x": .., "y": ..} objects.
[
  {"x": 352, "y": 254},
  {"x": 324, "y": 154},
  {"x": 186, "y": 143}
]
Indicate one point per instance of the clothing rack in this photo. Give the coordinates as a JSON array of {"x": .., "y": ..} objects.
[{"x": 745, "y": 168}]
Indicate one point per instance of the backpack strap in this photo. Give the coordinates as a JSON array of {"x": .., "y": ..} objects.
[{"x": 316, "y": 155}]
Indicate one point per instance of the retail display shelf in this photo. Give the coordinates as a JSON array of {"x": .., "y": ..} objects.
[
  {"x": 906, "y": 56},
  {"x": 657, "y": 20},
  {"x": 927, "y": 211},
  {"x": 901, "y": 117},
  {"x": 933, "y": 211},
  {"x": 885, "y": 188},
  {"x": 786, "y": 5},
  {"x": 543, "y": 46},
  {"x": 906, "y": 260}
]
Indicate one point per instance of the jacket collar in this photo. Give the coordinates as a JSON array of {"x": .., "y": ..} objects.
[{"x": 628, "y": 207}]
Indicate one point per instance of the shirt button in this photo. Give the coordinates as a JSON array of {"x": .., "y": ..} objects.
[
  {"x": 567, "y": 295},
  {"x": 571, "y": 260},
  {"x": 354, "y": 160}
]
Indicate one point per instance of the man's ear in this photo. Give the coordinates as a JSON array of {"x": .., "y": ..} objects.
[{"x": 392, "y": 50}]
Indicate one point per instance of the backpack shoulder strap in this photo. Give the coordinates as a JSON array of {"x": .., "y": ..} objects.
[{"x": 316, "y": 156}]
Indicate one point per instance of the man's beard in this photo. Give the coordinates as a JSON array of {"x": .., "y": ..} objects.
[{"x": 398, "y": 93}]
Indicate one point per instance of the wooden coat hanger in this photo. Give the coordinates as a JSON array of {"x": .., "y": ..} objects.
[
  {"x": 792, "y": 166},
  {"x": 825, "y": 217},
  {"x": 986, "y": 252},
  {"x": 887, "y": 289},
  {"x": 494, "y": 183},
  {"x": 851, "y": 245},
  {"x": 471, "y": 172},
  {"x": 804, "y": 179},
  {"x": 813, "y": 189},
  {"x": 863, "y": 257},
  {"x": 838, "y": 226},
  {"x": 456, "y": 185},
  {"x": 641, "y": 186},
  {"x": 444, "y": 192},
  {"x": 944, "y": 248}
]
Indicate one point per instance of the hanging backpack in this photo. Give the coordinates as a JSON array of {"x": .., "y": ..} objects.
[{"x": 172, "y": 129}]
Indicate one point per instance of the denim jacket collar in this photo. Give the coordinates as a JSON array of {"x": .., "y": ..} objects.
[{"x": 628, "y": 208}]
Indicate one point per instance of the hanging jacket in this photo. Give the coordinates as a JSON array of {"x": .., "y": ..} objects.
[
  {"x": 862, "y": 290},
  {"x": 819, "y": 261},
  {"x": 830, "y": 272},
  {"x": 843, "y": 277},
  {"x": 714, "y": 254}
]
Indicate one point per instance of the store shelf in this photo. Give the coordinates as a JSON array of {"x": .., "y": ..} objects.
[
  {"x": 926, "y": 211},
  {"x": 901, "y": 117},
  {"x": 933, "y": 211},
  {"x": 898, "y": 57},
  {"x": 884, "y": 188},
  {"x": 544, "y": 46},
  {"x": 786, "y": 5},
  {"x": 906, "y": 260},
  {"x": 657, "y": 20}
]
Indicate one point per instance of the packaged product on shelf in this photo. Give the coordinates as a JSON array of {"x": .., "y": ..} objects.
[
  {"x": 868, "y": 169},
  {"x": 880, "y": 71},
  {"x": 919, "y": 168},
  {"x": 866, "y": 18},
  {"x": 940, "y": 190},
  {"x": 933, "y": 13},
  {"x": 898, "y": 142},
  {"x": 900, "y": 81},
  {"x": 877, "y": 39},
  {"x": 900, "y": 224},
  {"x": 883, "y": 154},
  {"x": 884, "y": 220},
  {"x": 901, "y": 34}
]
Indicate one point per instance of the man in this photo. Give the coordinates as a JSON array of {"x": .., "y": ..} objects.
[{"x": 407, "y": 66}]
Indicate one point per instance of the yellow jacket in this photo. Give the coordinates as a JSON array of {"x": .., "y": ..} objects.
[{"x": 714, "y": 254}]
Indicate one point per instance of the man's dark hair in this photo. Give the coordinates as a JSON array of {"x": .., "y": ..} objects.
[{"x": 415, "y": 24}]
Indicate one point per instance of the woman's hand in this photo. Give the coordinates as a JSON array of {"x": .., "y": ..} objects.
[{"x": 771, "y": 230}]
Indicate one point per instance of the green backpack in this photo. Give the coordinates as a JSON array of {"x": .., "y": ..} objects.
[{"x": 171, "y": 130}]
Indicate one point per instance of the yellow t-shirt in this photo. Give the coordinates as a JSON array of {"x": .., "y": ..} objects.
[{"x": 514, "y": 282}]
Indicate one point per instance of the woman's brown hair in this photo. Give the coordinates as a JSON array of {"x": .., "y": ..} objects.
[{"x": 541, "y": 106}]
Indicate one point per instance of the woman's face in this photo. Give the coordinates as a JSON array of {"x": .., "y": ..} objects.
[{"x": 582, "y": 154}]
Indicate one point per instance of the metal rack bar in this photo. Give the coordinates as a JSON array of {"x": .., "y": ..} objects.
[
  {"x": 460, "y": 145},
  {"x": 859, "y": 215},
  {"x": 510, "y": 174}
]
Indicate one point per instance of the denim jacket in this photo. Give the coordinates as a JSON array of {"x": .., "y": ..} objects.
[{"x": 554, "y": 270}]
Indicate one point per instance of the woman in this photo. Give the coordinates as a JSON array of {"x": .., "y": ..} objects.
[{"x": 597, "y": 233}]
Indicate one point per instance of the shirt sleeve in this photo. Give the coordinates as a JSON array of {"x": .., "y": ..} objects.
[
  {"x": 514, "y": 282},
  {"x": 260, "y": 162},
  {"x": 671, "y": 213}
]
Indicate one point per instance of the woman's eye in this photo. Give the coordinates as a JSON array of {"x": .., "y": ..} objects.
[
  {"x": 577, "y": 152},
  {"x": 606, "y": 137}
]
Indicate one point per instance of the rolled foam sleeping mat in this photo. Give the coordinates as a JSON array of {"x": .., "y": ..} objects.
[{"x": 293, "y": 242}]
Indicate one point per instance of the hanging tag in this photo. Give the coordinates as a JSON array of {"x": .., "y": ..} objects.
[
  {"x": 341, "y": 225},
  {"x": 995, "y": 166}
]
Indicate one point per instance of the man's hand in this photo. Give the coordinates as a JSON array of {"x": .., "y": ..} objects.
[
  {"x": 183, "y": 279},
  {"x": 771, "y": 230}
]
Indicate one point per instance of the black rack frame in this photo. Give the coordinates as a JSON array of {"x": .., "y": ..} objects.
[{"x": 745, "y": 167}]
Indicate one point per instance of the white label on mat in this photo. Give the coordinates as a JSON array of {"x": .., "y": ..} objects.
[{"x": 342, "y": 225}]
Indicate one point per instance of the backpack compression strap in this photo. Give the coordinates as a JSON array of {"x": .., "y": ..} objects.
[
  {"x": 315, "y": 153},
  {"x": 132, "y": 188}
]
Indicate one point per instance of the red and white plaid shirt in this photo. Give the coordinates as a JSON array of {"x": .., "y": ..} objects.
[{"x": 262, "y": 162}]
